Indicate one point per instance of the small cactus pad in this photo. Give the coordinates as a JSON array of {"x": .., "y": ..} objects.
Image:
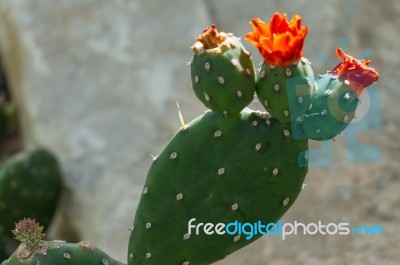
[
  {"x": 223, "y": 75},
  {"x": 279, "y": 88},
  {"x": 60, "y": 253},
  {"x": 333, "y": 107},
  {"x": 217, "y": 170},
  {"x": 30, "y": 185}
]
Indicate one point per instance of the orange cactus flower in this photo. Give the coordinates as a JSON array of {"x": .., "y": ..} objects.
[
  {"x": 357, "y": 72},
  {"x": 281, "y": 42}
]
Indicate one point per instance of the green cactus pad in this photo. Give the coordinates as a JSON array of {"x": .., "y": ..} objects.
[
  {"x": 217, "y": 170},
  {"x": 30, "y": 185},
  {"x": 223, "y": 77},
  {"x": 60, "y": 253},
  {"x": 278, "y": 88},
  {"x": 333, "y": 106}
]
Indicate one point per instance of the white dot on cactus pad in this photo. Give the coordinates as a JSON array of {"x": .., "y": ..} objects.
[
  {"x": 288, "y": 72},
  {"x": 300, "y": 100},
  {"x": 286, "y": 202},
  {"x": 173, "y": 155},
  {"x": 207, "y": 66},
  {"x": 206, "y": 97},
  {"x": 235, "y": 207},
  {"x": 258, "y": 146},
  {"x": 217, "y": 133},
  {"x": 286, "y": 133}
]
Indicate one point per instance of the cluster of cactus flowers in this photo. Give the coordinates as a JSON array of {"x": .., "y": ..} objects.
[{"x": 231, "y": 163}]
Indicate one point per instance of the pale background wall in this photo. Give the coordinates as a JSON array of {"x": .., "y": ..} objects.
[{"x": 97, "y": 81}]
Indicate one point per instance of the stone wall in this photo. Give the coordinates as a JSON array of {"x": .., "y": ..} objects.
[{"x": 97, "y": 81}]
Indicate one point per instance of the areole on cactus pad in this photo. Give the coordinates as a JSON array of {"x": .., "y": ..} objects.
[{"x": 232, "y": 163}]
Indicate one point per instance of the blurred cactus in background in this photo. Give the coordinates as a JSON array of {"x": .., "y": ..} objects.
[{"x": 30, "y": 186}]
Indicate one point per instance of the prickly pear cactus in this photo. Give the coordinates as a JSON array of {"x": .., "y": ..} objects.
[
  {"x": 33, "y": 250},
  {"x": 222, "y": 72},
  {"x": 217, "y": 170},
  {"x": 60, "y": 253},
  {"x": 334, "y": 100},
  {"x": 283, "y": 61},
  {"x": 230, "y": 164},
  {"x": 30, "y": 185},
  {"x": 273, "y": 85},
  {"x": 244, "y": 167}
]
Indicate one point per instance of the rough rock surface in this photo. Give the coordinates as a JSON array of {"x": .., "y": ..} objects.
[{"x": 97, "y": 82}]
